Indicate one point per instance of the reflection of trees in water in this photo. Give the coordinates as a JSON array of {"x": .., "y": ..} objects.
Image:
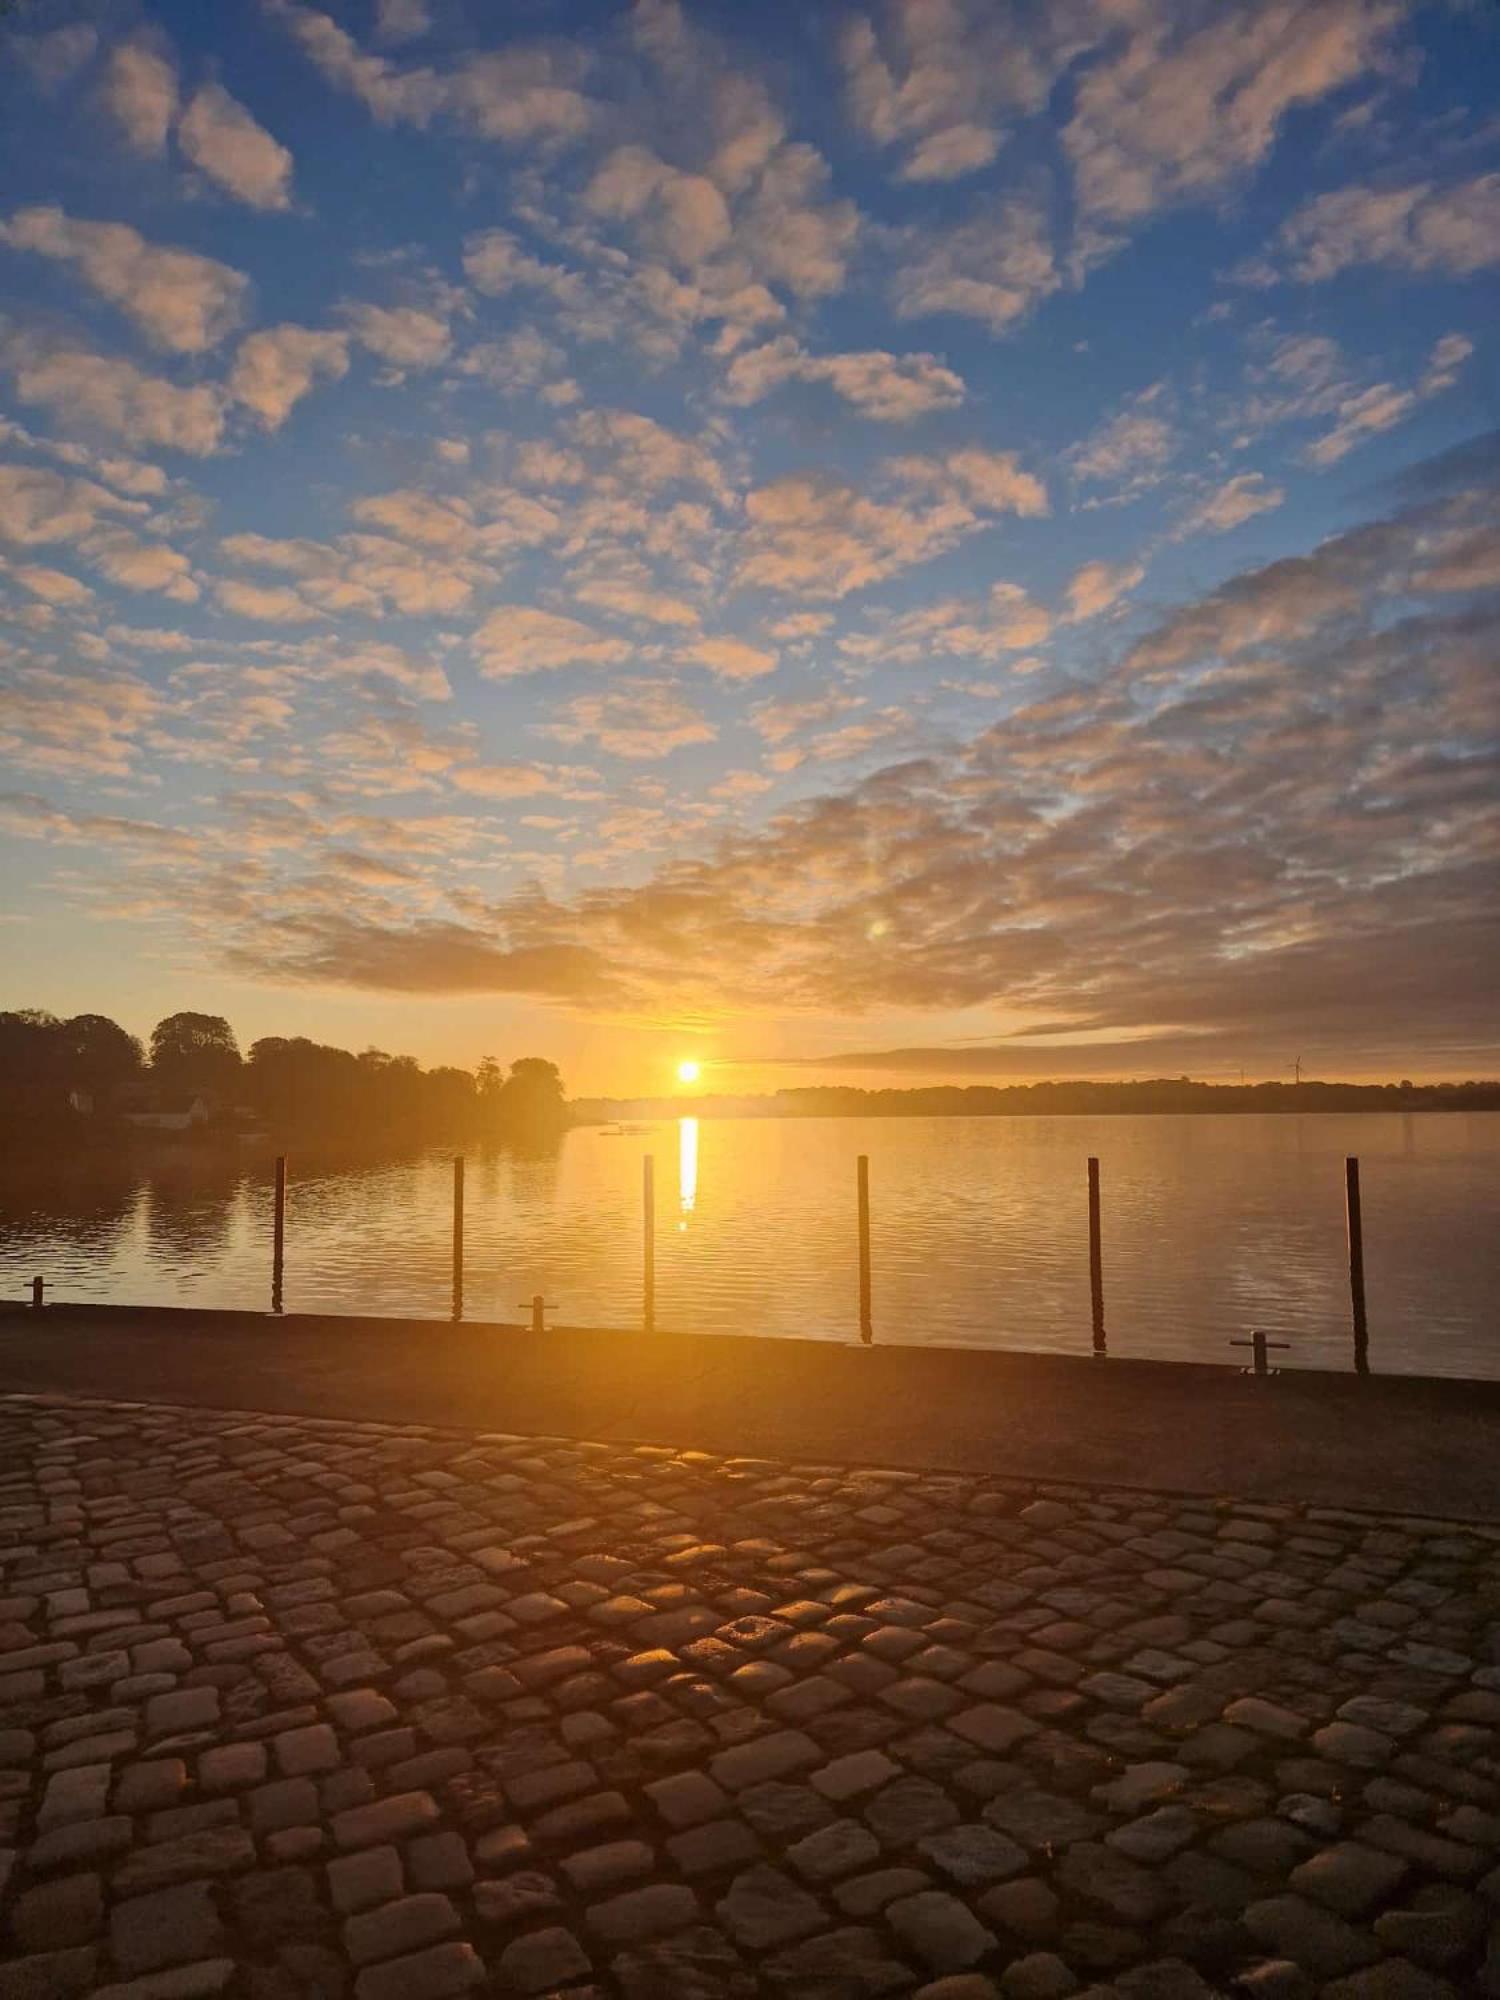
[
  {"x": 190, "y": 1206},
  {"x": 534, "y": 1171},
  {"x": 86, "y": 1200}
]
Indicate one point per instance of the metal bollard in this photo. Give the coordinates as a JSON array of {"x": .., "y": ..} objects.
[
  {"x": 538, "y": 1308},
  {"x": 1258, "y": 1344}
]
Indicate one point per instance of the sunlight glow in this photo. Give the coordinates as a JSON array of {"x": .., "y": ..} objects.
[{"x": 689, "y": 1071}]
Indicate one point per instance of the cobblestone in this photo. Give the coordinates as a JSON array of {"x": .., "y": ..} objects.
[{"x": 295, "y": 1707}]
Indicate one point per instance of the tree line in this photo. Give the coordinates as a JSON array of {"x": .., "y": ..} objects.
[{"x": 87, "y": 1074}]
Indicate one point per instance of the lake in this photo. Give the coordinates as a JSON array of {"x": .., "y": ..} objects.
[{"x": 1212, "y": 1225}]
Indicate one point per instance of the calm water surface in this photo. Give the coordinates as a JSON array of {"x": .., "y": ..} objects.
[{"x": 1212, "y": 1225}]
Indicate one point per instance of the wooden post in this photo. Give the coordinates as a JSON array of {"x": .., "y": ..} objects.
[
  {"x": 648, "y": 1244},
  {"x": 862, "y": 1179},
  {"x": 538, "y": 1310},
  {"x": 278, "y": 1234},
  {"x": 38, "y": 1293},
  {"x": 1096, "y": 1262},
  {"x": 1356, "y": 1266},
  {"x": 458, "y": 1236}
]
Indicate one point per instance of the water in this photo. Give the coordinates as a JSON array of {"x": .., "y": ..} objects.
[{"x": 1212, "y": 1226}]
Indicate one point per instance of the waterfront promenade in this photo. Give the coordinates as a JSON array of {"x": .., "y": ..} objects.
[
  {"x": 307, "y": 1705},
  {"x": 1425, "y": 1446}
]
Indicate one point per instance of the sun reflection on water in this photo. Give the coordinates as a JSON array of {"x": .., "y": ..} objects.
[{"x": 687, "y": 1167}]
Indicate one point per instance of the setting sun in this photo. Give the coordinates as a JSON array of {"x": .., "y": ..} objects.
[{"x": 689, "y": 1071}]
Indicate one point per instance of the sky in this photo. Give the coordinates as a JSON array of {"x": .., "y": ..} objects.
[{"x": 881, "y": 543}]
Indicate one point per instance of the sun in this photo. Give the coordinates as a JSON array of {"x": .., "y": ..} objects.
[{"x": 689, "y": 1071}]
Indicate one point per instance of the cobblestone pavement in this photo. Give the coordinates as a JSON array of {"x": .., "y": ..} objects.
[{"x": 296, "y": 1707}]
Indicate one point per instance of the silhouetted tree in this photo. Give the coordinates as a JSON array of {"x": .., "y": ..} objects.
[
  {"x": 488, "y": 1078},
  {"x": 531, "y": 1103},
  {"x": 99, "y": 1053},
  {"x": 195, "y": 1052},
  {"x": 33, "y": 1072}
]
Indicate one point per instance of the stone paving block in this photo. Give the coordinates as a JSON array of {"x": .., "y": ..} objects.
[
  {"x": 1322, "y": 1943},
  {"x": 215, "y": 1851},
  {"x": 170, "y": 1927},
  {"x": 392, "y": 1818},
  {"x": 853, "y": 1960},
  {"x": 942, "y": 1932},
  {"x": 764, "y": 1757},
  {"x": 541, "y": 1961},
  {"x": 1349, "y": 1877},
  {"x": 434, "y": 1974},
  {"x": 51, "y": 1975},
  {"x": 395, "y": 1929},
  {"x": 66, "y": 1911},
  {"x": 180, "y": 1982},
  {"x": 763, "y": 1907}
]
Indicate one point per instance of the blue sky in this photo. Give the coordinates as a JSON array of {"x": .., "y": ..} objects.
[{"x": 929, "y": 538}]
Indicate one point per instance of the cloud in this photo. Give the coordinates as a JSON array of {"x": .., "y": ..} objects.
[
  {"x": 1003, "y": 622},
  {"x": 937, "y": 81},
  {"x": 522, "y": 640},
  {"x": 821, "y": 538},
  {"x": 1238, "y": 499},
  {"x": 53, "y": 586},
  {"x": 275, "y": 367},
  {"x": 140, "y": 90},
  {"x": 223, "y": 141},
  {"x": 994, "y": 266},
  {"x": 732, "y": 659},
  {"x": 138, "y": 565},
  {"x": 680, "y": 216},
  {"x": 1364, "y": 413},
  {"x": 624, "y": 599},
  {"x": 73, "y": 724},
  {"x": 640, "y": 720},
  {"x": 39, "y": 506},
  {"x": 401, "y": 20},
  {"x": 115, "y": 396},
  {"x": 1421, "y": 228},
  {"x": 522, "y": 96},
  {"x": 55, "y": 57},
  {"x": 522, "y": 361},
  {"x": 1095, "y": 587},
  {"x": 1129, "y": 451},
  {"x": 641, "y": 453},
  {"x": 274, "y": 604},
  {"x": 495, "y": 262},
  {"x": 1190, "y": 103},
  {"x": 179, "y": 300},
  {"x": 504, "y": 781},
  {"x": 892, "y": 388},
  {"x": 993, "y": 481},
  {"x": 405, "y": 336},
  {"x": 364, "y": 574}
]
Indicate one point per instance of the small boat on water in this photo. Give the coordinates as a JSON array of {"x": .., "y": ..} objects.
[{"x": 624, "y": 1131}]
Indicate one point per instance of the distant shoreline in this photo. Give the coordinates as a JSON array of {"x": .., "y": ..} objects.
[{"x": 1162, "y": 1097}]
